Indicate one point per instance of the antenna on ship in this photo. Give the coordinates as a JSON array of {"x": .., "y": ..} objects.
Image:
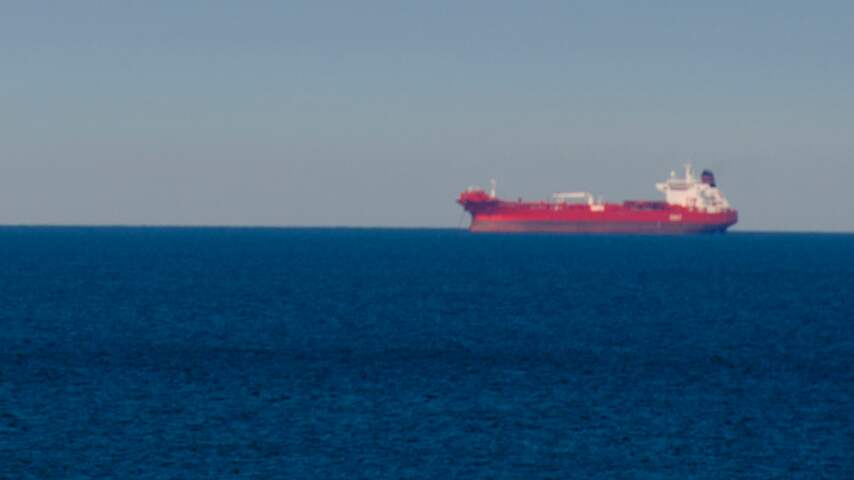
[{"x": 492, "y": 190}]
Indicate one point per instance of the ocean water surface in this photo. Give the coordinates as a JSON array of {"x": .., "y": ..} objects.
[{"x": 344, "y": 353}]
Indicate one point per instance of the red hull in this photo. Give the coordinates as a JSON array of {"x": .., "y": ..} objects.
[{"x": 494, "y": 215}]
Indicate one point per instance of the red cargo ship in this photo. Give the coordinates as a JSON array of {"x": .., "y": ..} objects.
[{"x": 690, "y": 206}]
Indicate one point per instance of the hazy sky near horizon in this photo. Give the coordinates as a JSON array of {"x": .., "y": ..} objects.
[{"x": 379, "y": 113}]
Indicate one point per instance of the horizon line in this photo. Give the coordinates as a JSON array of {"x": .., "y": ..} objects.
[{"x": 330, "y": 227}]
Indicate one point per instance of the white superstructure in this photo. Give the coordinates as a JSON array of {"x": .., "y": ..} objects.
[{"x": 689, "y": 192}]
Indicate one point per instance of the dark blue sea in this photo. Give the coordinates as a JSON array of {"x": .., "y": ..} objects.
[{"x": 384, "y": 354}]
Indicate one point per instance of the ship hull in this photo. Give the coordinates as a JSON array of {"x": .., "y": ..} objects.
[
  {"x": 595, "y": 227},
  {"x": 644, "y": 217}
]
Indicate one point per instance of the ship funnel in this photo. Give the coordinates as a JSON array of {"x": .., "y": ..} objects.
[{"x": 708, "y": 178}]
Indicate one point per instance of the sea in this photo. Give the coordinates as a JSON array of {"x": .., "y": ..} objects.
[{"x": 182, "y": 353}]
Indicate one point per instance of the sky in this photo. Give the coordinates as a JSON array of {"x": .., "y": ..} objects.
[{"x": 378, "y": 113}]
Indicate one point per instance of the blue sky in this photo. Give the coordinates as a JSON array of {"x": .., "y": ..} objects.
[{"x": 379, "y": 113}]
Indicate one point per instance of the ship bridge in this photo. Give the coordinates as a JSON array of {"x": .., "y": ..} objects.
[{"x": 694, "y": 194}]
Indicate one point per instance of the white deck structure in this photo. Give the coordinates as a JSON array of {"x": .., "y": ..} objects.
[{"x": 689, "y": 192}]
